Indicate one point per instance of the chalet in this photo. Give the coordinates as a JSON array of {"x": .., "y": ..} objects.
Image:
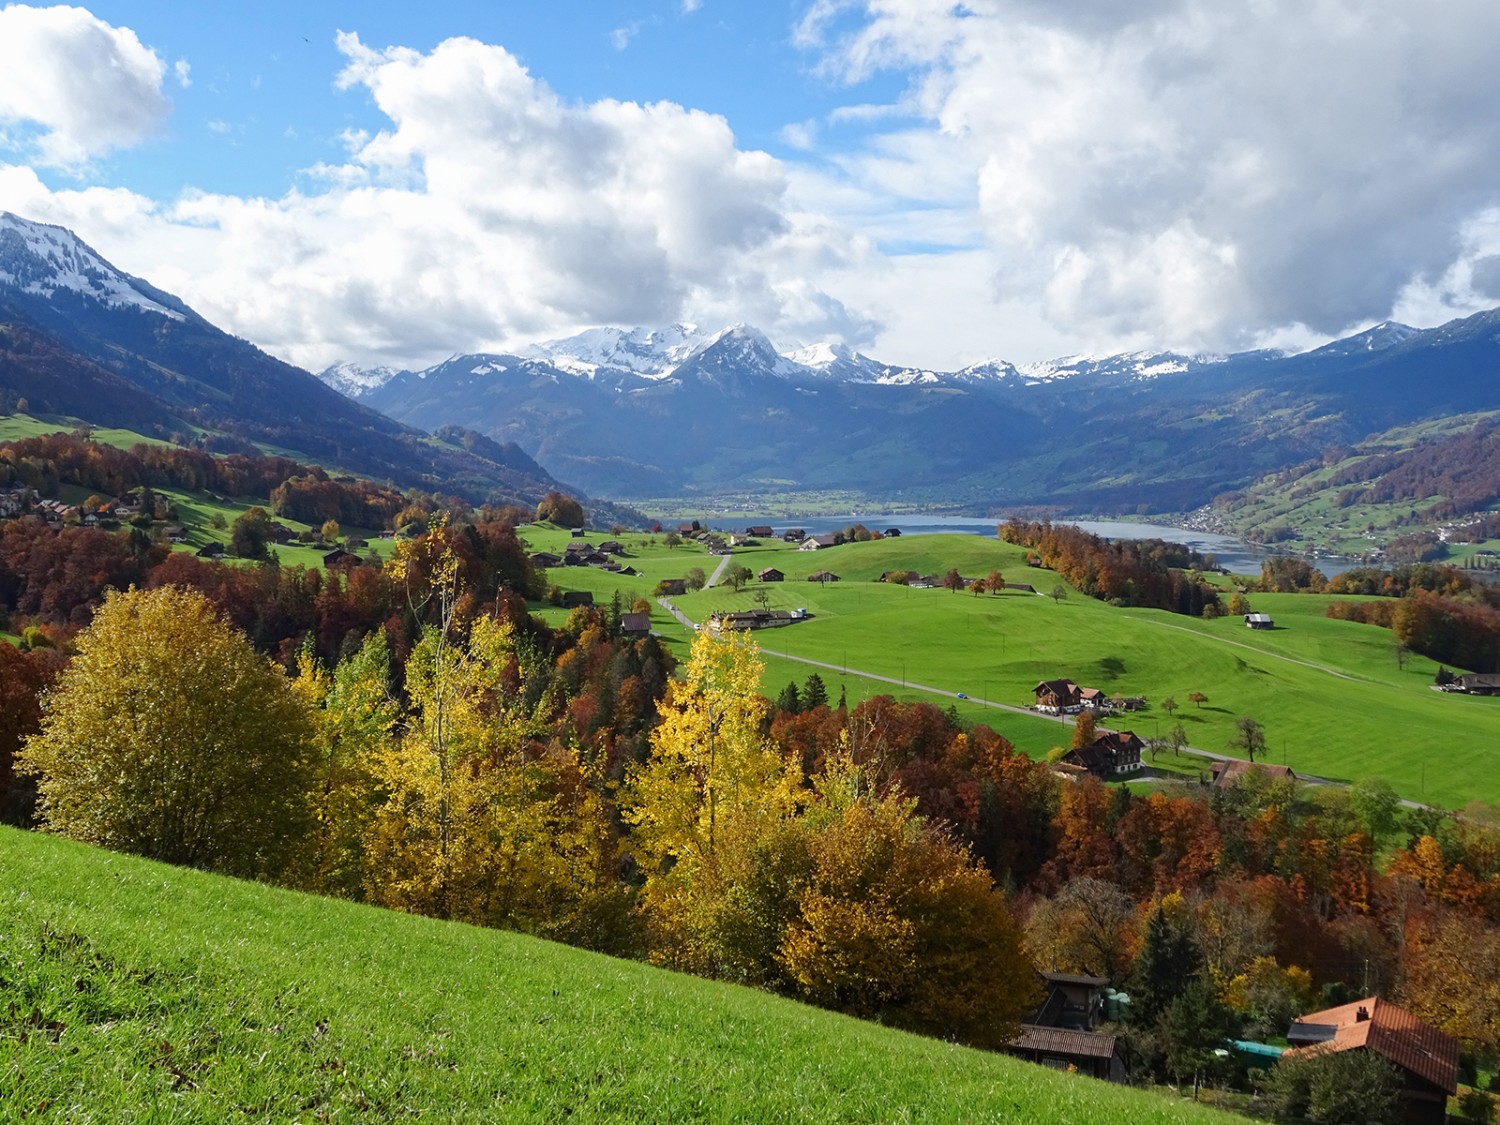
[
  {"x": 211, "y": 551},
  {"x": 1426, "y": 1057},
  {"x": 630, "y": 570},
  {"x": 1093, "y": 700},
  {"x": 1230, "y": 772},
  {"x": 578, "y": 533},
  {"x": 612, "y": 547},
  {"x": 823, "y": 576},
  {"x": 1113, "y": 752},
  {"x": 749, "y": 619},
  {"x": 1020, "y": 587},
  {"x": 1259, "y": 621},
  {"x": 635, "y": 624},
  {"x": 175, "y": 534},
  {"x": 760, "y": 531},
  {"x": 340, "y": 557},
  {"x": 686, "y": 530},
  {"x": 1477, "y": 684},
  {"x": 771, "y": 574},
  {"x": 572, "y": 599},
  {"x": 545, "y": 559},
  {"x": 818, "y": 542},
  {"x": 1056, "y": 697},
  {"x": 893, "y": 533},
  {"x": 1061, "y": 1033},
  {"x": 387, "y": 534},
  {"x": 354, "y": 543},
  {"x": 794, "y": 535},
  {"x": 279, "y": 533}
]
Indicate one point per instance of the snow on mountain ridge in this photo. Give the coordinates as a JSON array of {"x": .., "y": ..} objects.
[
  {"x": 652, "y": 353},
  {"x": 41, "y": 259},
  {"x": 353, "y": 380}
]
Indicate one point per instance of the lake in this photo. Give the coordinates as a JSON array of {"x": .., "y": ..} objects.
[{"x": 1239, "y": 556}]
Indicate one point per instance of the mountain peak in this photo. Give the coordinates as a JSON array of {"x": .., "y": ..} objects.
[{"x": 42, "y": 260}]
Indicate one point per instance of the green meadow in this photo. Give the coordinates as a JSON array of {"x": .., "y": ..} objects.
[
  {"x": 140, "y": 992},
  {"x": 1331, "y": 696}
]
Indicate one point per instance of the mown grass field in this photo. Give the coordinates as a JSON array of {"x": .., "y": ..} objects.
[
  {"x": 139, "y": 992},
  {"x": 1329, "y": 694}
]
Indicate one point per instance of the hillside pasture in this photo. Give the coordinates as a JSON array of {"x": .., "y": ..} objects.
[
  {"x": 1329, "y": 694},
  {"x": 142, "y": 992}
]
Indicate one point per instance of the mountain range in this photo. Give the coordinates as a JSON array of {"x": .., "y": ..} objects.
[
  {"x": 82, "y": 339},
  {"x": 676, "y": 411}
]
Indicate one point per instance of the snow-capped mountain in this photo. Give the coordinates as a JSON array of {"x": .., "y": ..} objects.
[
  {"x": 1386, "y": 334},
  {"x": 43, "y": 260},
  {"x": 653, "y": 353},
  {"x": 354, "y": 380}
]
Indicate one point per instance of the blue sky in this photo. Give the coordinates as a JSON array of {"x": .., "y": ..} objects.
[
  {"x": 262, "y": 106},
  {"x": 934, "y": 183}
]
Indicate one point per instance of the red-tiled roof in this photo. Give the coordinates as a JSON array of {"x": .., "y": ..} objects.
[{"x": 1391, "y": 1032}]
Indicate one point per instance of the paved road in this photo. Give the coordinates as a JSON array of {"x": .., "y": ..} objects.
[
  {"x": 718, "y": 572},
  {"x": 1063, "y": 720}
]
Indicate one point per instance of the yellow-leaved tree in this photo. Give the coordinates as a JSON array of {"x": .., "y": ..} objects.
[
  {"x": 712, "y": 791},
  {"x": 482, "y": 820},
  {"x": 170, "y": 737},
  {"x": 896, "y": 921},
  {"x": 354, "y": 720}
]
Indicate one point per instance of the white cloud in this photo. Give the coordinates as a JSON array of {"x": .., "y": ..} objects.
[
  {"x": 621, "y": 36},
  {"x": 1203, "y": 173},
  {"x": 75, "y": 86},
  {"x": 183, "y": 72},
  {"x": 691, "y": 6},
  {"x": 488, "y": 210}
]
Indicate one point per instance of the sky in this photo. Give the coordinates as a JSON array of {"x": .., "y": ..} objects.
[{"x": 934, "y": 184}]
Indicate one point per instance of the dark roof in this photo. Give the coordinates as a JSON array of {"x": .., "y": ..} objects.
[
  {"x": 1074, "y": 978},
  {"x": 1062, "y": 1041},
  {"x": 1057, "y": 687},
  {"x": 1227, "y": 773},
  {"x": 1391, "y": 1032},
  {"x": 635, "y": 623}
]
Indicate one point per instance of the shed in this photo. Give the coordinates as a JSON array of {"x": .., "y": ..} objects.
[{"x": 1259, "y": 621}]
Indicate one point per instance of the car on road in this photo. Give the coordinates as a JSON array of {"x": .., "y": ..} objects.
[{"x": 961, "y": 695}]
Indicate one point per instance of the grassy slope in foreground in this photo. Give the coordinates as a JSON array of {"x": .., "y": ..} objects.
[{"x": 281, "y": 1006}]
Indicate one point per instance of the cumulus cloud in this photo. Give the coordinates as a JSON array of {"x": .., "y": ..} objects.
[
  {"x": 72, "y": 87},
  {"x": 1202, "y": 173},
  {"x": 488, "y": 210}
]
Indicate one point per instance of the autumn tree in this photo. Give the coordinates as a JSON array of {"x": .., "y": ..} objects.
[
  {"x": 1197, "y": 699},
  {"x": 250, "y": 534},
  {"x": 995, "y": 582},
  {"x": 1249, "y": 737},
  {"x": 23, "y": 675},
  {"x": 1085, "y": 730},
  {"x": 1086, "y": 928},
  {"x": 895, "y": 921},
  {"x": 168, "y": 736},
  {"x": 712, "y": 785},
  {"x": 354, "y": 723},
  {"x": 561, "y": 509},
  {"x": 330, "y": 531}
]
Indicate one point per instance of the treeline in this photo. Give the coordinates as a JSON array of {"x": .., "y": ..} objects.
[
  {"x": 1463, "y": 469},
  {"x": 1150, "y": 573},
  {"x": 1435, "y": 609},
  {"x": 297, "y": 491},
  {"x": 56, "y": 578}
]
